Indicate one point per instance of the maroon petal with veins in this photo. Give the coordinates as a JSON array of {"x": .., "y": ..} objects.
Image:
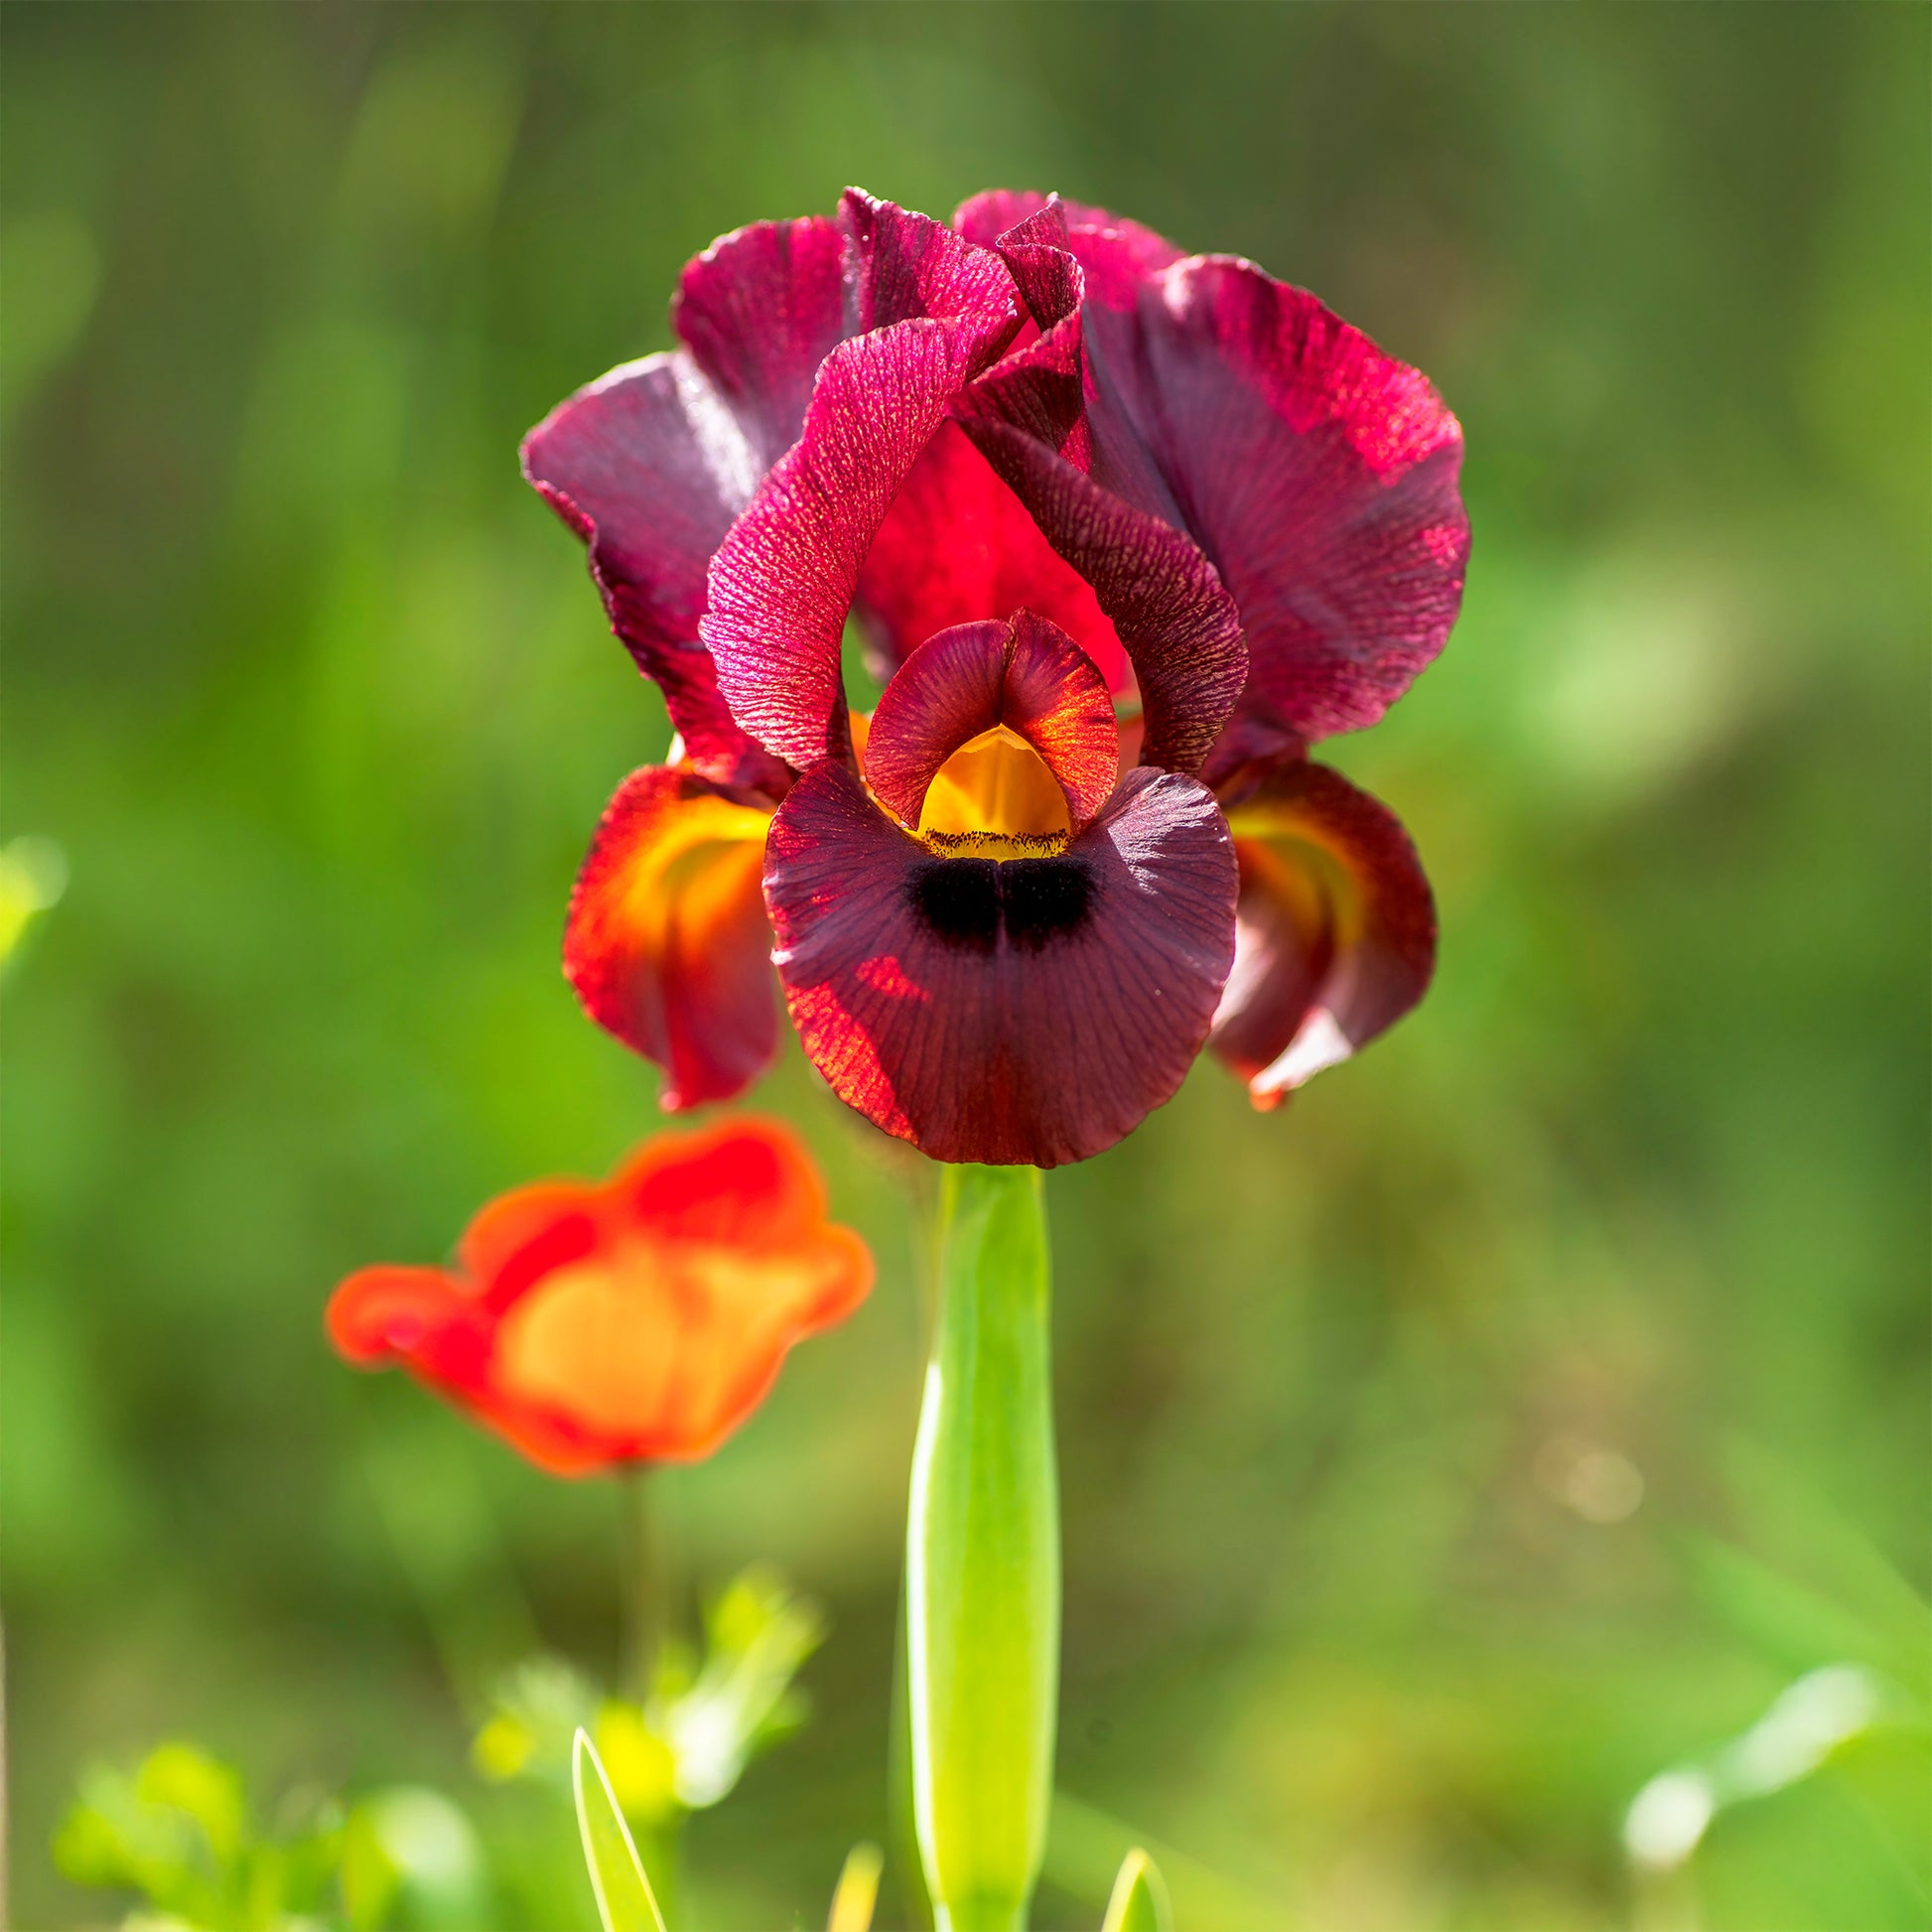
[
  {"x": 1316, "y": 473},
  {"x": 1027, "y": 1012},
  {"x": 1174, "y": 616},
  {"x": 759, "y": 310},
  {"x": 1117, "y": 254},
  {"x": 651, "y": 463},
  {"x": 1320, "y": 476},
  {"x": 1335, "y": 928},
  {"x": 1027, "y": 674},
  {"x": 936, "y": 311},
  {"x": 958, "y": 545}
]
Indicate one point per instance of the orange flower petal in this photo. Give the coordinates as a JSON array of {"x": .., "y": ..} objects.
[
  {"x": 642, "y": 1320},
  {"x": 747, "y": 1182},
  {"x": 523, "y": 1235},
  {"x": 666, "y": 943},
  {"x": 425, "y": 1319}
]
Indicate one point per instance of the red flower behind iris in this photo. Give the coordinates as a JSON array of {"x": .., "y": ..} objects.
[
  {"x": 1062, "y": 474},
  {"x": 639, "y": 1320}
]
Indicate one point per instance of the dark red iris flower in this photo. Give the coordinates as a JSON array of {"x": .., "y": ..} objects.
[{"x": 1126, "y": 531}]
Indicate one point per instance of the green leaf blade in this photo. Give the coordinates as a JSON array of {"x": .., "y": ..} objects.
[
  {"x": 1140, "y": 1901},
  {"x": 624, "y": 1901}
]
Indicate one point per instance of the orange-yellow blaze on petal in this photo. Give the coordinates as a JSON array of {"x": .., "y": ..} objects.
[
  {"x": 667, "y": 1347},
  {"x": 666, "y": 943},
  {"x": 995, "y": 798},
  {"x": 694, "y": 875},
  {"x": 1309, "y": 880},
  {"x": 592, "y": 1343},
  {"x": 1334, "y": 929}
]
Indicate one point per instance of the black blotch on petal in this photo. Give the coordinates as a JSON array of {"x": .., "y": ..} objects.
[
  {"x": 959, "y": 900},
  {"x": 1044, "y": 899},
  {"x": 968, "y": 902}
]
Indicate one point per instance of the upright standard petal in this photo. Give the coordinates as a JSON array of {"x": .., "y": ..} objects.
[
  {"x": 957, "y": 545},
  {"x": 759, "y": 310},
  {"x": 1336, "y": 929},
  {"x": 935, "y": 311},
  {"x": 1031, "y": 1011},
  {"x": 1117, "y": 254},
  {"x": 666, "y": 943},
  {"x": 1318, "y": 472},
  {"x": 1172, "y": 614},
  {"x": 651, "y": 463}
]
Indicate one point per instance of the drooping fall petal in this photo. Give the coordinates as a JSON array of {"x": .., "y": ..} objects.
[
  {"x": 1025, "y": 1011},
  {"x": 666, "y": 943},
  {"x": 935, "y": 309},
  {"x": 643, "y": 1320},
  {"x": 1336, "y": 929}
]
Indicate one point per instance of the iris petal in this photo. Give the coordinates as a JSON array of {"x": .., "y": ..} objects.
[
  {"x": 650, "y": 464},
  {"x": 1032, "y": 1011},
  {"x": 1316, "y": 473},
  {"x": 1336, "y": 929},
  {"x": 666, "y": 941},
  {"x": 1169, "y": 606},
  {"x": 1320, "y": 476},
  {"x": 958, "y": 545},
  {"x": 1026, "y": 676},
  {"x": 759, "y": 310},
  {"x": 935, "y": 311},
  {"x": 1116, "y": 253}
]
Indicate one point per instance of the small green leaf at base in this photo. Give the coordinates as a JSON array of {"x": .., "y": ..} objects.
[
  {"x": 858, "y": 1890},
  {"x": 1140, "y": 1900},
  {"x": 623, "y": 1897}
]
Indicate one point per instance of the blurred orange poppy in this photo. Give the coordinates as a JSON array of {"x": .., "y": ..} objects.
[{"x": 641, "y": 1320}]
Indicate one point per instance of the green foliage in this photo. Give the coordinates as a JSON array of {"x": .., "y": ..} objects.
[
  {"x": 1140, "y": 1900},
  {"x": 33, "y": 876},
  {"x": 857, "y": 1891},
  {"x": 181, "y": 1836},
  {"x": 707, "y": 1715},
  {"x": 411, "y": 1860},
  {"x": 319, "y": 705},
  {"x": 1860, "y": 1714},
  {"x": 178, "y": 1833},
  {"x": 623, "y": 1895}
]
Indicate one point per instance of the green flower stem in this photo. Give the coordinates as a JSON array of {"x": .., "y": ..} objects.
[
  {"x": 644, "y": 1580},
  {"x": 983, "y": 1558}
]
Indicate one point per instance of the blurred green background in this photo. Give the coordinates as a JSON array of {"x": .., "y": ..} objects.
[{"x": 1512, "y": 1418}]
